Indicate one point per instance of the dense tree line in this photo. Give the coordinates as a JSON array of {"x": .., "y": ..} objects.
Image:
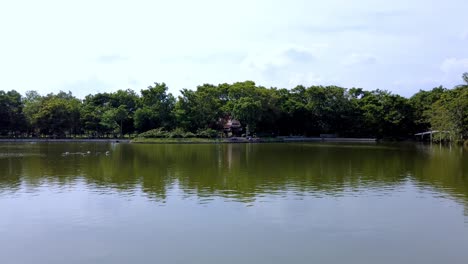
[{"x": 305, "y": 111}]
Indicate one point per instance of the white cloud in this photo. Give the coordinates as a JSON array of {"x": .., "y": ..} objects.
[
  {"x": 265, "y": 60},
  {"x": 285, "y": 67},
  {"x": 52, "y": 44},
  {"x": 111, "y": 58},
  {"x": 359, "y": 59},
  {"x": 454, "y": 65},
  {"x": 464, "y": 35},
  {"x": 306, "y": 78},
  {"x": 81, "y": 88}
]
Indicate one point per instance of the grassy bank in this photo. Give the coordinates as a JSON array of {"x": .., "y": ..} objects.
[
  {"x": 204, "y": 140},
  {"x": 246, "y": 140},
  {"x": 106, "y": 140},
  {"x": 176, "y": 140}
]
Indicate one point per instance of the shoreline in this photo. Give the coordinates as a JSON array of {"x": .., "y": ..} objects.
[
  {"x": 233, "y": 140},
  {"x": 51, "y": 140},
  {"x": 240, "y": 140}
]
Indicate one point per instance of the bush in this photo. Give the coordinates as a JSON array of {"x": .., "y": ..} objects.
[
  {"x": 155, "y": 133},
  {"x": 207, "y": 133},
  {"x": 177, "y": 133},
  {"x": 189, "y": 135}
]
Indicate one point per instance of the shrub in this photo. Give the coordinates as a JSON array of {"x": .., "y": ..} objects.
[
  {"x": 207, "y": 133},
  {"x": 155, "y": 133},
  {"x": 177, "y": 133},
  {"x": 189, "y": 135}
]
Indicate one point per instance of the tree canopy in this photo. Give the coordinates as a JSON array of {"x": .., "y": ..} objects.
[{"x": 302, "y": 111}]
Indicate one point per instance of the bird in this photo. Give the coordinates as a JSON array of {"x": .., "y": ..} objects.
[{"x": 107, "y": 153}]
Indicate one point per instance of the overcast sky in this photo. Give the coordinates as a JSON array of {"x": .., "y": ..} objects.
[{"x": 98, "y": 46}]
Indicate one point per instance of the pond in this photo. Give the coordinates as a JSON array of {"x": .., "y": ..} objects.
[{"x": 233, "y": 203}]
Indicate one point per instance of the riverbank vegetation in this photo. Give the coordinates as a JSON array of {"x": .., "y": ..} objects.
[{"x": 205, "y": 111}]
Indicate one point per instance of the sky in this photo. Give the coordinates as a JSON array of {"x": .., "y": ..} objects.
[{"x": 91, "y": 46}]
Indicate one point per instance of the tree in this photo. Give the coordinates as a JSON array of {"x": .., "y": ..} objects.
[
  {"x": 108, "y": 121},
  {"x": 120, "y": 114},
  {"x": 328, "y": 106},
  {"x": 450, "y": 113},
  {"x": 53, "y": 117},
  {"x": 422, "y": 103},
  {"x": 385, "y": 114},
  {"x": 156, "y": 108},
  {"x": 90, "y": 119},
  {"x": 113, "y": 119},
  {"x": 32, "y": 104},
  {"x": 12, "y": 119},
  {"x": 145, "y": 119},
  {"x": 247, "y": 110},
  {"x": 128, "y": 100},
  {"x": 200, "y": 109},
  {"x": 295, "y": 118},
  {"x": 300, "y": 111}
]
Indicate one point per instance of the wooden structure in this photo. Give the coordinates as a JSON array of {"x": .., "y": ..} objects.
[
  {"x": 430, "y": 133},
  {"x": 232, "y": 127}
]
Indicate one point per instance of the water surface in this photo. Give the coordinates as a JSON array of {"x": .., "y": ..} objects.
[{"x": 233, "y": 203}]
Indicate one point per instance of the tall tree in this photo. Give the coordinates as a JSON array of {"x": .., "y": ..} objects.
[
  {"x": 422, "y": 103},
  {"x": 53, "y": 117},
  {"x": 12, "y": 119},
  {"x": 247, "y": 110},
  {"x": 465, "y": 77},
  {"x": 199, "y": 109},
  {"x": 156, "y": 108}
]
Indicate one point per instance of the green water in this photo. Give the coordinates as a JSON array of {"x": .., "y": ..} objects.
[{"x": 234, "y": 203}]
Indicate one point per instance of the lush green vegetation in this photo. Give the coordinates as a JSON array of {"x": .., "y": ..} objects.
[{"x": 201, "y": 113}]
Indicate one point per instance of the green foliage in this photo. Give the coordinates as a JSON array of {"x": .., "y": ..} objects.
[
  {"x": 145, "y": 119},
  {"x": 201, "y": 108},
  {"x": 203, "y": 112},
  {"x": 207, "y": 133},
  {"x": 12, "y": 118},
  {"x": 189, "y": 135},
  {"x": 450, "y": 114},
  {"x": 177, "y": 133},
  {"x": 56, "y": 115},
  {"x": 161, "y": 133},
  {"x": 422, "y": 103},
  {"x": 156, "y": 108},
  {"x": 110, "y": 120},
  {"x": 154, "y": 133},
  {"x": 247, "y": 110},
  {"x": 384, "y": 114},
  {"x": 32, "y": 103}
]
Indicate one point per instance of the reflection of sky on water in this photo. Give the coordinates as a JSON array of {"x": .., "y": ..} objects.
[{"x": 81, "y": 223}]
